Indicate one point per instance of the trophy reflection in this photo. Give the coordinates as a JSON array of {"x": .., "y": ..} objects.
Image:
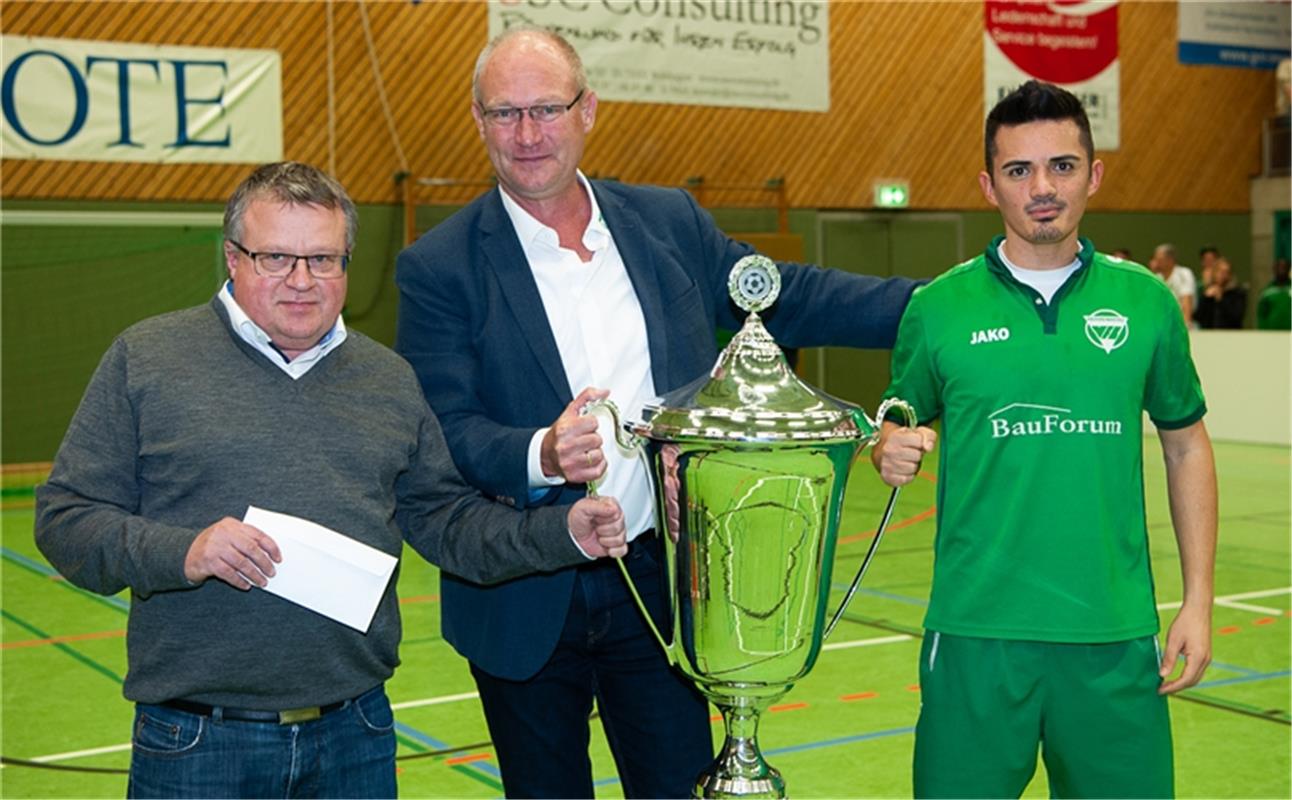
[{"x": 749, "y": 466}]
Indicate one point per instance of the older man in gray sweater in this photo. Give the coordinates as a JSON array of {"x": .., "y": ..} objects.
[{"x": 263, "y": 398}]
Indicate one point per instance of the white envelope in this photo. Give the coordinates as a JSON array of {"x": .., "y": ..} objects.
[{"x": 323, "y": 570}]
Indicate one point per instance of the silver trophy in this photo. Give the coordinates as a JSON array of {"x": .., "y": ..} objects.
[{"x": 749, "y": 466}]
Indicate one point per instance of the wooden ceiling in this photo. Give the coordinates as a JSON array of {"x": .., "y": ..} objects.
[{"x": 906, "y": 102}]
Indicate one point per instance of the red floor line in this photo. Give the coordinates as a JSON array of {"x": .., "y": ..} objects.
[
  {"x": 788, "y": 707},
  {"x": 74, "y": 637},
  {"x": 848, "y": 698},
  {"x": 468, "y": 759},
  {"x": 920, "y": 517},
  {"x": 420, "y": 598}
]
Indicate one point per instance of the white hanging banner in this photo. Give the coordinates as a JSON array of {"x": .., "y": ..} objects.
[
  {"x": 1071, "y": 43},
  {"x": 1234, "y": 34},
  {"x": 748, "y": 53},
  {"x": 74, "y": 100}
]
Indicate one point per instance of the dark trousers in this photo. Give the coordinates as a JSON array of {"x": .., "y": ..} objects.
[{"x": 657, "y": 724}]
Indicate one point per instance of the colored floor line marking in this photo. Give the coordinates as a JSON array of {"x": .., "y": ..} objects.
[
  {"x": 434, "y": 701},
  {"x": 410, "y": 743},
  {"x": 1270, "y": 714},
  {"x": 46, "y": 571},
  {"x": 894, "y": 526},
  {"x": 901, "y": 598},
  {"x": 485, "y": 773},
  {"x": 848, "y": 698},
  {"x": 787, "y": 707},
  {"x": 420, "y": 598},
  {"x": 901, "y": 637},
  {"x": 1228, "y": 629},
  {"x": 1230, "y": 599},
  {"x": 94, "y": 751},
  {"x": 1262, "y": 676},
  {"x": 75, "y": 637},
  {"x": 861, "y": 737},
  {"x": 904, "y": 523},
  {"x": 1234, "y": 668},
  {"x": 1248, "y": 607},
  {"x": 81, "y": 657},
  {"x": 468, "y": 759}
]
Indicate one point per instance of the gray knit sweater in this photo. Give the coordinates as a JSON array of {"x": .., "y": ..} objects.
[{"x": 182, "y": 424}]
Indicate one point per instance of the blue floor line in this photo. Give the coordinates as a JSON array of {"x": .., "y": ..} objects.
[
  {"x": 436, "y": 744},
  {"x": 1262, "y": 676},
  {"x": 861, "y": 737},
  {"x": 1234, "y": 668},
  {"x": 42, "y": 568},
  {"x": 901, "y": 598}
]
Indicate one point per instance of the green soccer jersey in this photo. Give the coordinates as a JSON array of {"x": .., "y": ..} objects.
[{"x": 1041, "y": 531}]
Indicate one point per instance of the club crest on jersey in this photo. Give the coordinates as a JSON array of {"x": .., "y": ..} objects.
[
  {"x": 989, "y": 335},
  {"x": 1107, "y": 329}
]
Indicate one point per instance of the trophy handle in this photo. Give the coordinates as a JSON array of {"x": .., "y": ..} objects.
[
  {"x": 632, "y": 443},
  {"x": 908, "y": 411}
]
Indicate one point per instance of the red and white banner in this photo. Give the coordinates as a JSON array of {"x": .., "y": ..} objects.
[{"x": 1072, "y": 43}]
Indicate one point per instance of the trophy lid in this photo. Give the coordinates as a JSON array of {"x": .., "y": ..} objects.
[{"x": 751, "y": 394}]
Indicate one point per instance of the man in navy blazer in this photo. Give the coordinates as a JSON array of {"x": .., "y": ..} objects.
[{"x": 546, "y": 292}]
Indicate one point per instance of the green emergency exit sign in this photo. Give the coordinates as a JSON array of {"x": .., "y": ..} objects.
[{"x": 892, "y": 194}]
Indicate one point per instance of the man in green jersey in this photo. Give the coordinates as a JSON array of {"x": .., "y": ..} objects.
[{"x": 1040, "y": 356}]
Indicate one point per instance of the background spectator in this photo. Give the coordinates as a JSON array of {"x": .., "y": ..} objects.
[
  {"x": 1274, "y": 308},
  {"x": 1223, "y": 303},
  {"x": 1179, "y": 278}
]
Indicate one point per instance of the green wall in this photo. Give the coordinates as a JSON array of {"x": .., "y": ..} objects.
[{"x": 66, "y": 292}]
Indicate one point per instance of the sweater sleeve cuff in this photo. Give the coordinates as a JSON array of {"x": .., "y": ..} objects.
[{"x": 163, "y": 567}]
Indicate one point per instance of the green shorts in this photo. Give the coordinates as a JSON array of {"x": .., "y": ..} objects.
[{"x": 1092, "y": 709}]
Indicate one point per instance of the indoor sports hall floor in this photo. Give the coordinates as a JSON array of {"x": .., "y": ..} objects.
[{"x": 845, "y": 731}]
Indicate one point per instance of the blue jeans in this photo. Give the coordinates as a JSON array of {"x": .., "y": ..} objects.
[
  {"x": 349, "y": 752},
  {"x": 656, "y": 723}
]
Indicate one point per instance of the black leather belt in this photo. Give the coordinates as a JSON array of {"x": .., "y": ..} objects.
[{"x": 289, "y": 717}]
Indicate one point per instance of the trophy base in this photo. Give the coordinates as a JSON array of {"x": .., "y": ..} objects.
[
  {"x": 740, "y": 769},
  {"x": 717, "y": 784}
]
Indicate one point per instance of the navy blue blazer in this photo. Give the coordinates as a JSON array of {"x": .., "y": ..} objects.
[{"x": 472, "y": 324}]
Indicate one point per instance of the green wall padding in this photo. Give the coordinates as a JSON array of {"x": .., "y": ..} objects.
[{"x": 68, "y": 291}]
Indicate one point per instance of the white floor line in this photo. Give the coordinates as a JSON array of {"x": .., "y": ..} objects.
[
  {"x": 116, "y": 748},
  {"x": 1228, "y": 601},
  {"x": 434, "y": 701},
  {"x": 1254, "y": 595},
  {"x": 96, "y": 751},
  {"x": 903, "y": 637},
  {"x": 1250, "y": 607}
]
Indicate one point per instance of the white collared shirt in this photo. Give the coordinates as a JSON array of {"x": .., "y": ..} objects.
[
  {"x": 600, "y": 332},
  {"x": 254, "y": 335}
]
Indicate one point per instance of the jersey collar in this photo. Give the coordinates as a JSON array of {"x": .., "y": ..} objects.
[{"x": 1048, "y": 312}]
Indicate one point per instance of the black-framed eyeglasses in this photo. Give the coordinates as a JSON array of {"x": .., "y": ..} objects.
[
  {"x": 324, "y": 266},
  {"x": 506, "y": 116}
]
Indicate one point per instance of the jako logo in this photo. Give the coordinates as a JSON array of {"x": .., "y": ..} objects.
[
  {"x": 989, "y": 335},
  {"x": 1028, "y": 419}
]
